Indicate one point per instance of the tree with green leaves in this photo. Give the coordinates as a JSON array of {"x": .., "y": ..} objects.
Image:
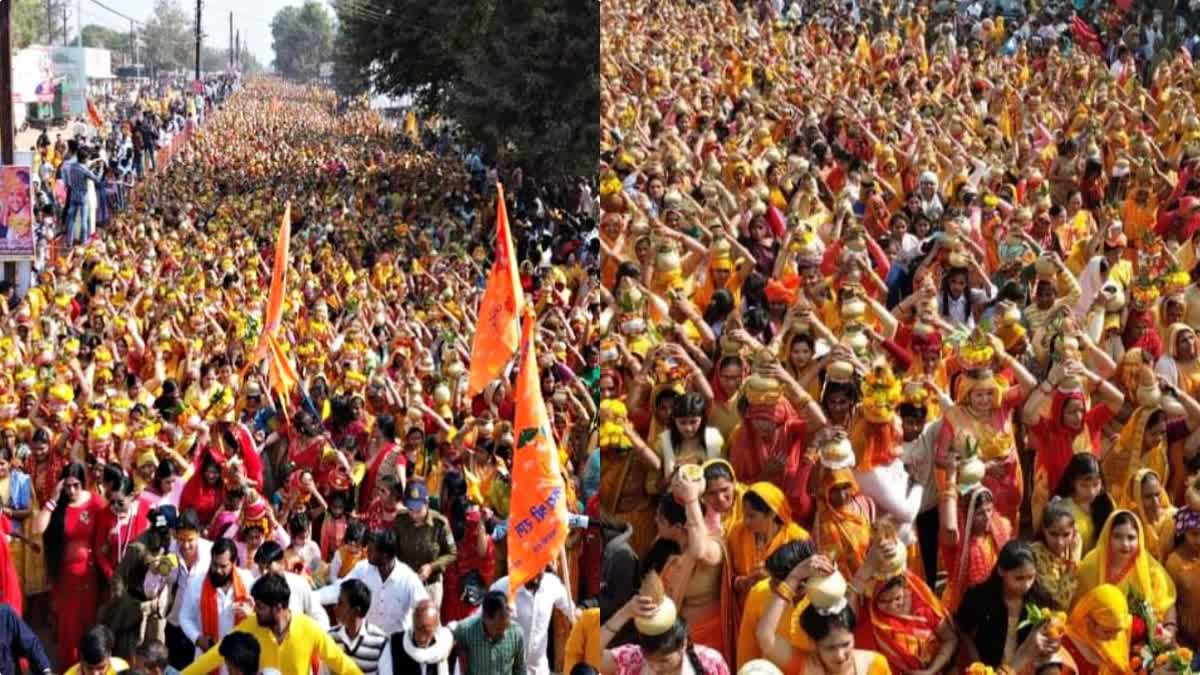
[
  {"x": 169, "y": 37},
  {"x": 302, "y": 38},
  {"x": 29, "y": 25},
  {"x": 106, "y": 38},
  {"x": 521, "y": 78}
]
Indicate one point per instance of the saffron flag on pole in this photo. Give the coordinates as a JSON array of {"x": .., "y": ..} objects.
[
  {"x": 280, "y": 374},
  {"x": 270, "y": 326},
  {"x": 94, "y": 115},
  {"x": 538, "y": 509},
  {"x": 497, "y": 331}
]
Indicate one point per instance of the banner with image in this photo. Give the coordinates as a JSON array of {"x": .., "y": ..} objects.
[{"x": 16, "y": 213}]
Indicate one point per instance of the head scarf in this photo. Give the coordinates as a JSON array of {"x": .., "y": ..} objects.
[
  {"x": 721, "y": 396},
  {"x": 745, "y": 554},
  {"x": 782, "y": 291},
  {"x": 973, "y": 562},
  {"x": 1104, "y": 605},
  {"x": 980, "y": 380},
  {"x": 722, "y": 523},
  {"x": 1144, "y": 574},
  {"x": 910, "y": 641},
  {"x": 1133, "y": 502},
  {"x": 750, "y": 453},
  {"x": 1127, "y": 371},
  {"x": 844, "y": 530},
  {"x": 1057, "y": 444},
  {"x": 1128, "y": 455},
  {"x": 1149, "y": 341},
  {"x": 1173, "y": 334}
]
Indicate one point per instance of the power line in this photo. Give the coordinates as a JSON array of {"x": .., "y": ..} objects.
[
  {"x": 123, "y": 16},
  {"x": 363, "y": 9},
  {"x": 359, "y": 12}
]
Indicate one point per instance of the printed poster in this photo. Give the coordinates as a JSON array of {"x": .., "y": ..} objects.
[{"x": 16, "y": 213}]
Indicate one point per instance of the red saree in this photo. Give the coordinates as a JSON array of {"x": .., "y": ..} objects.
[
  {"x": 908, "y": 642},
  {"x": 970, "y": 560},
  {"x": 750, "y": 455}
]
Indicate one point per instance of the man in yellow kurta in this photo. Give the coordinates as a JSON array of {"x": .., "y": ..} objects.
[{"x": 289, "y": 643}]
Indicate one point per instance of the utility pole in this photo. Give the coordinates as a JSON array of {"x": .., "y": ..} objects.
[
  {"x": 231, "y": 40},
  {"x": 6, "y": 102},
  {"x": 49, "y": 24},
  {"x": 237, "y": 50},
  {"x": 198, "y": 34},
  {"x": 64, "y": 26},
  {"x": 133, "y": 49}
]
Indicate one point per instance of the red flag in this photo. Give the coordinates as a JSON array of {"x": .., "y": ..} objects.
[
  {"x": 94, "y": 115},
  {"x": 497, "y": 332},
  {"x": 1085, "y": 36},
  {"x": 538, "y": 508}
]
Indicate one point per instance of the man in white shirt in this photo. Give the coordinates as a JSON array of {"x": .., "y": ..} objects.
[
  {"x": 303, "y": 599},
  {"x": 918, "y": 457},
  {"x": 188, "y": 561},
  {"x": 395, "y": 588},
  {"x": 535, "y": 605},
  {"x": 230, "y": 585}
]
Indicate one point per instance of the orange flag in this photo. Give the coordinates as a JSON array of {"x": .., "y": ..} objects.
[
  {"x": 280, "y": 374},
  {"x": 94, "y": 115},
  {"x": 270, "y": 326},
  {"x": 538, "y": 509},
  {"x": 496, "y": 334}
]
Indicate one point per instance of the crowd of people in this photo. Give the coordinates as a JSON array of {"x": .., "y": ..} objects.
[
  {"x": 168, "y": 509},
  {"x": 81, "y": 179},
  {"x": 898, "y": 368}
]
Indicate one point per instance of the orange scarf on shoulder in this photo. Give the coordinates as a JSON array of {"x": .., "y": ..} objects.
[{"x": 209, "y": 617}]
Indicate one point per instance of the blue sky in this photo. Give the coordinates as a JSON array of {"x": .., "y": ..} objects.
[{"x": 252, "y": 18}]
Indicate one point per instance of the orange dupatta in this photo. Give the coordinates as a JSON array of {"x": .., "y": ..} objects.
[
  {"x": 844, "y": 534},
  {"x": 745, "y": 555},
  {"x": 209, "y": 616},
  {"x": 908, "y": 642}
]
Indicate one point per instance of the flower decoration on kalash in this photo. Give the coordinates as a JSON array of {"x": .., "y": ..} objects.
[
  {"x": 613, "y": 417},
  {"x": 882, "y": 393},
  {"x": 975, "y": 357},
  {"x": 1174, "y": 281},
  {"x": 1146, "y": 292},
  {"x": 1154, "y": 651},
  {"x": 100, "y": 436}
]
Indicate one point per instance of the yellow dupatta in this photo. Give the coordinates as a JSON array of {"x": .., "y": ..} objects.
[
  {"x": 1126, "y": 457},
  {"x": 743, "y": 552},
  {"x": 1154, "y": 531},
  {"x": 1106, "y": 606},
  {"x": 734, "y": 515},
  {"x": 1146, "y": 575}
]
